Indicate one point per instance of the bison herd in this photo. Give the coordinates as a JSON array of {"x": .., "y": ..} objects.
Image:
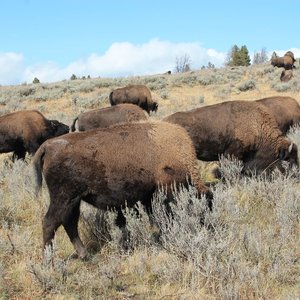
[
  {"x": 287, "y": 62},
  {"x": 118, "y": 155}
]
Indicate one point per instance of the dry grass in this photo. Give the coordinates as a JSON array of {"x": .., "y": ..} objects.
[{"x": 246, "y": 248}]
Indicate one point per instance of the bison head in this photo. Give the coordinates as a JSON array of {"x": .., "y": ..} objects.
[
  {"x": 263, "y": 161},
  {"x": 289, "y": 153},
  {"x": 58, "y": 128},
  {"x": 154, "y": 106}
]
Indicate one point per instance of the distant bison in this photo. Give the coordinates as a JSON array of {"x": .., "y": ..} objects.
[
  {"x": 135, "y": 94},
  {"x": 109, "y": 167},
  {"x": 240, "y": 128},
  {"x": 104, "y": 117},
  {"x": 286, "y": 62},
  {"x": 24, "y": 131},
  {"x": 286, "y": 75},
  {"x": 286, "y": 111},
  {"x": 291, "y": 54}
]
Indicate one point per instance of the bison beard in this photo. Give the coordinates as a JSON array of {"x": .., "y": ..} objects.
[{"x": 108, "y": 167}]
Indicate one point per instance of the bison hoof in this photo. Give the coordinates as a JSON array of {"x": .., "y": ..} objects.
[{"x": 84, "y": 256}]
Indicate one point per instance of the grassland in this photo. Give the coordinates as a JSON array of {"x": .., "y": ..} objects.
[{"x": 248, "y": 247}]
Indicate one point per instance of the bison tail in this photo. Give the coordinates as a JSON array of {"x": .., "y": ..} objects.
[
  {"x": 38, "y": 162},
  {"x": 111, "y": 98},
  {"x": 73, "y": 125}
]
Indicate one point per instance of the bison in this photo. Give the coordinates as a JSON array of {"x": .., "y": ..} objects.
[
  {"x": 238, "y": 128},
  {"x": 110, "y": 166},
  {"x": 287, "y": 61},
  {"x": 24, "y": 131},
  {"x": 135, "y": 94},
  {"x": 286, "y": 111},
  {"x": 104, "y": 117},
  {"x": 286, "y": 75},
  {"x": 291, "y": 54}
]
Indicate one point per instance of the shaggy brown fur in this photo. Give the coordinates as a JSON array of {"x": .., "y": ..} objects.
[
  {"x": 286, "y": 75},
  {"x": 105, "y": 117},
  {"x": 135, "y": 94},
  {"x": 24, "y": 131},
  {"x": 291, "y": 54},
  {"x": 286, "y": 62},
  {"x": 239, "y": 128},
  {"x": 106, "y": 167},
  {"x": 286, "y": 111}
]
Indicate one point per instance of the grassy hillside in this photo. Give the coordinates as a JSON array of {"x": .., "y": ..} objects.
[{"x": 247, "y": 248}]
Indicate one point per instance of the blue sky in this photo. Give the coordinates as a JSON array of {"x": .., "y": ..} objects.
[{"x": 53, "y": 39}]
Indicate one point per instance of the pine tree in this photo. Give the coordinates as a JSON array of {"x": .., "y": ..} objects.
[
  {"x": 73, "y": 77},
  {"x": 232, "y": 55},
  {"x": 244, "y": 56},
  {"x": 35, "y": 80},
  {"x": 274, "y": 55},
  {"x": 238, "y": 57}
]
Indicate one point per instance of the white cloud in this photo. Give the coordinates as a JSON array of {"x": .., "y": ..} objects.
[
  {"x": 11, "y": 68},
  {"x": 121, "y": 59},
  {"x": 127, "y": 59}
]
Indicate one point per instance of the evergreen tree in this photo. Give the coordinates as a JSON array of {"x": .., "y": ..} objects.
[
  {"x": 244, "y": 56},
  {"x": 73, "y": 77},
  {"x": 210, "y": 65},
  {"x": 35, "y": 80},
  {"x": 238, "y": 56},
  {"x": 231, "y": 56},
  {"x": 274, "y": 55}
]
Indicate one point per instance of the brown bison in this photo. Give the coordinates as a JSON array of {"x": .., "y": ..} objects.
[
  {"x": 286, "y": 111},
  {"x": 286, "y": 75},
  {"x": 110, "y": 166},
  {"x": 104, "y": 117},
  {"x": 24, "y": 131},
  {"x": 135, "y": 94},
  {"x": 291, "y": 54},
  {"x": 243, "y": 129},
  {"x": 286, "y": 62}
]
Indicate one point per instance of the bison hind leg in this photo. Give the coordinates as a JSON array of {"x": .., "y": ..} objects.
[
  {"x": 67, "y": 216},
  {"x": 70, "y": 224}
]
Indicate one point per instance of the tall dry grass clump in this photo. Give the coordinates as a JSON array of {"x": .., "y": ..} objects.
[{"x": 247, "y": 247}]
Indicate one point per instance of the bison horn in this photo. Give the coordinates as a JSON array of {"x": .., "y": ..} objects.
[{"x": 291, "y": 147}]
